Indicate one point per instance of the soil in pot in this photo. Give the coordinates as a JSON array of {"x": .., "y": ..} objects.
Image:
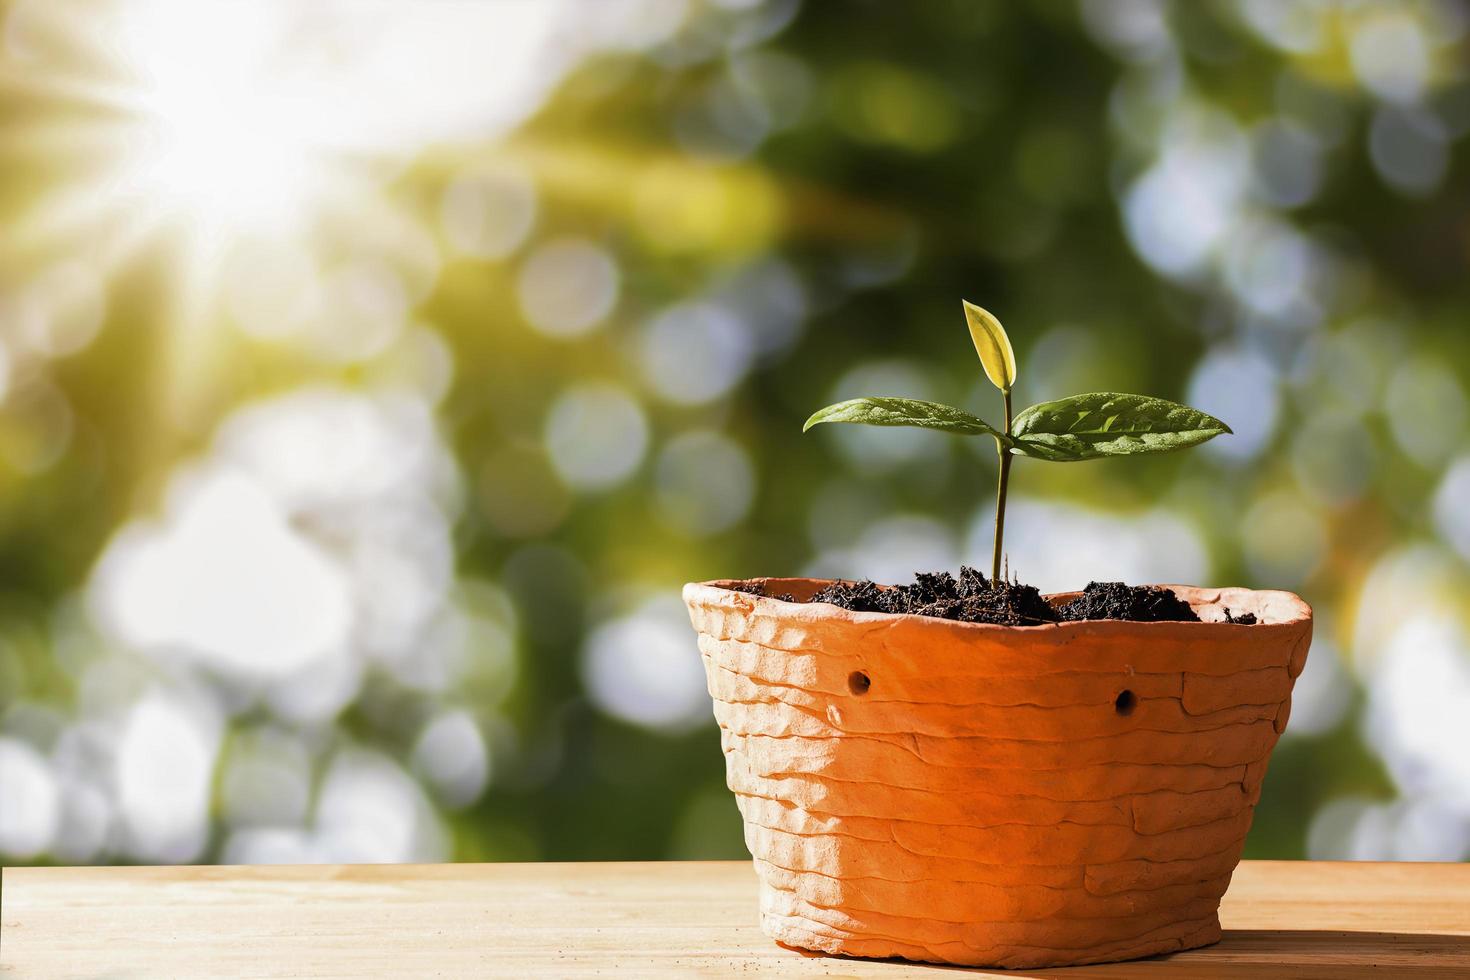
[{"x": 973, "y": 598}]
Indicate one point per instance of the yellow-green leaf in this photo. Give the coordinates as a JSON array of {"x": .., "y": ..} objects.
[{"x": 993, "y": 346}]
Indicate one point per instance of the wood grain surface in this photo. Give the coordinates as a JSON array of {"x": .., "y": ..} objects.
[{"x": 1281, "y": 919}]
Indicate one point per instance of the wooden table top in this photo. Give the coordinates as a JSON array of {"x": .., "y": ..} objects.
[{"x": 1281, "y": 919}]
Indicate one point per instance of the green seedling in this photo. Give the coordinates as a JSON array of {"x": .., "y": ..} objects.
[{"x": 1067, "y": 430}]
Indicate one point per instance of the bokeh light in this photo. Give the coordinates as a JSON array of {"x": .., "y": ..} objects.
[
  {"x": 637, "y": 667},
  {"x": 705, "y": 483},
  {"x": 695, "y": 353},
  {"x": 596, "y": 435},
  {"x": 567, "y": 287},
  {"x": 372, "y": 375},
  {"x": 488, "y": 215}
]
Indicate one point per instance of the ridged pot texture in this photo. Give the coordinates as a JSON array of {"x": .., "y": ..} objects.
[{"x": 990, "y": 795}]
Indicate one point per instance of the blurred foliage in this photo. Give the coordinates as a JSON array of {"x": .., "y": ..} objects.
[{"x": 1252, "y": 208}]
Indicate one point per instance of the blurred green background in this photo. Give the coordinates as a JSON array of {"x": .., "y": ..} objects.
[{"x": 372, "y": 376}]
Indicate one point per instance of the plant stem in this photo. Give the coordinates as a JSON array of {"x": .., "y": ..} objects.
[{"x": 1004, "y": 453}]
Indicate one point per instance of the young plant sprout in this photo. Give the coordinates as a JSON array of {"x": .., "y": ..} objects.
[
  {"x": 1078, "y": 653},
  {"x": 1067, "y": 430}
]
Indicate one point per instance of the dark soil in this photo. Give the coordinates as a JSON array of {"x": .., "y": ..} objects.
[
  {"x": 1138, "y": 603},
  {"x": 972, "y": 598},
  {"x": 757, "y": 588}
]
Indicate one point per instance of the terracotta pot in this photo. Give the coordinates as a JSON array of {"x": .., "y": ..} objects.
[{"x": 993, "y": 795}]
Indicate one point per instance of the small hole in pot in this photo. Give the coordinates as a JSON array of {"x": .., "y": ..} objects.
[
  {"x": 1125, "y": 703},
  {"x": 858, "y": 683}
]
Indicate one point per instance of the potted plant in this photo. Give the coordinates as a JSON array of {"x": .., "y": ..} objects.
[{"x": 965, "y": 771}]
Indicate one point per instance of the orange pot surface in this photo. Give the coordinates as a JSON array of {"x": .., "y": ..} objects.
[{"x": 1012, "y": 796}]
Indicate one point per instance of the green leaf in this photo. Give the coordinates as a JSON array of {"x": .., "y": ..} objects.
[
  {"x": 902, "y": 411},
  {"x": 993, "y": 346},
  {"x": 1106, "y": 423}
]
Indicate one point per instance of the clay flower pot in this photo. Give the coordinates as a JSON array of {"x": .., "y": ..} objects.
[{"x": 991, "y": 795}]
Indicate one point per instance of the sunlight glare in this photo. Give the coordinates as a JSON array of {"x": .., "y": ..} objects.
[
  {"x": 220, "y": 142},
  {"x": 203, "y": 128}
]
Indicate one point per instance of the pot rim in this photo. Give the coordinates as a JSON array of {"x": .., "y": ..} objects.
[{"x": 1274, "y": 608}]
